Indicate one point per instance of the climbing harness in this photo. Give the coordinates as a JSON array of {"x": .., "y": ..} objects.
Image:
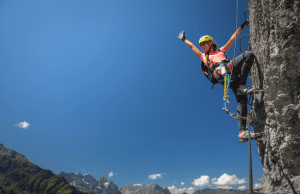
[
  {"x": 209, "y": 72},
  {"x": 223, "y": 71}
]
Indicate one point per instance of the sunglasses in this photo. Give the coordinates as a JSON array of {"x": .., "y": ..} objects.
[{"x": 202, "y": 43}]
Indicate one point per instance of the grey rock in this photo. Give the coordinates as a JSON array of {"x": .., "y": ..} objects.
[
  {"x": 88, "y": 184},
  {"x": 104, "y": 179},
  {"x": 275, "y": 40},
  {"x": 135, "y": 189},
  {"x": 11, "y": 153}
]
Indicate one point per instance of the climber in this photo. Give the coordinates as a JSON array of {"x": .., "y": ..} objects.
[{"x": 212, "y": 63}]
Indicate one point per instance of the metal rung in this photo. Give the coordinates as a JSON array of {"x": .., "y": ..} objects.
[
  {"x": 240, "y": 42},
  {"x": 246, "y": 17},
  {"x": 244, "y": 118},
  {"x": 255, "y": 138},
  {"x": 254, "y": 90}
]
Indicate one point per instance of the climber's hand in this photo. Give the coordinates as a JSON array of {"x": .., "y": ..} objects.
[
  {"x": 182, "y": 35},
  {"x": 245, "y": 24}
]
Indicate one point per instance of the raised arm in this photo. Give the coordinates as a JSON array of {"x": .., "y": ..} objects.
[
  {"x": 194, "y": 48},
  {"x": 232, "y": 39},
  {"x": 236, "y": 34}
]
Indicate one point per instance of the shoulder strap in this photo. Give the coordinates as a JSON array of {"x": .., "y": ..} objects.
[
  {"x": 223, "y": 54},
  {"x": 208, "y": 74},
  {"x": 207, "y": 59}
]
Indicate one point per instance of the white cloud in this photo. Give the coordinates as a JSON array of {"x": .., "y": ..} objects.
[
  {"x": 257, "y": 186},
  {"x": 242, "y": 187},
  {"x": 182, "y": 183},
  {"x": 202, "y": 181},
  {"x": 191, "y": 189},
  {"x": 23, "y": 125},
  {"x": 155, "y": 176},
  {"x": 111, "y": 174},
  {"x": 226, "y": 179},
  {"x": 138, "y": 185},
  {"x": 224, "y": 187},
  {"x": 174, "y": 190},
  {"x": 82, "y": 170}
]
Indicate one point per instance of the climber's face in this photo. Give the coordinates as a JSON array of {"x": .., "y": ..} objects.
[{"x": 205, "y": 46}]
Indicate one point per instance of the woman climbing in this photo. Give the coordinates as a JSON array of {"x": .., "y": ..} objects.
[{"x": 214, "y": 59}]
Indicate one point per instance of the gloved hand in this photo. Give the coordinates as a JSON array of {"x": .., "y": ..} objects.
[
  {"x": 182, "y": 35},
  {"x": 244, "y": 24}
]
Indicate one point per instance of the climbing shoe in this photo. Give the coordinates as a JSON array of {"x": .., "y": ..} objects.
[
  {"x": 243, "y": 90},
  {"x": 243, "y": 136}
]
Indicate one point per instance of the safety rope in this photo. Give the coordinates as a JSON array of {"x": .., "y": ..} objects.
[
  {"x": 237, "y": 15},
  {"x": 228, "y": 79},
  {"x": 227, "y": 76},
  {"x": 250, "y": 118}
]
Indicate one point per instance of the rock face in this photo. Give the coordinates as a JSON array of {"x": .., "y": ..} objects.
[
  {"x": 11, "y": 153},
  {"x": 88, "y": 184},
  {"x": 136, "y": 189},
  {"x": 2, "y": 190},
  {"x": 275, "y": 40},
  {"x": 18, "y": 175}
]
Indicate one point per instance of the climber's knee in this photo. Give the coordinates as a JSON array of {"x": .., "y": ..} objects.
[
  {"x": 249, "y": 59},
  {"x": 249, "y": 54},
  {"x": 249, "y": 63}
]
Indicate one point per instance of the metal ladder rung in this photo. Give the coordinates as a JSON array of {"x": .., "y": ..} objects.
[
  {"x": 255, "y": 138},
  {"x": 251, "y": 91},
  {"x": 243, "y": 118}
]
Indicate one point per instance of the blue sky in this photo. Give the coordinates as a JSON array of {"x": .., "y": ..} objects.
[{"x": 108, "y": 88}]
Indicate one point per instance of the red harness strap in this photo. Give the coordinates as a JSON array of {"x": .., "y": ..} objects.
[{"x": 208, "y": 62}]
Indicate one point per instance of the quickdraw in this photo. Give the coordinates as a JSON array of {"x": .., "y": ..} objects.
[{"x": 226, "y": 85}]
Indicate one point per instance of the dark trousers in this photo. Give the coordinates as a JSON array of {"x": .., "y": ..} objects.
[{"x": 241, "y": 67}]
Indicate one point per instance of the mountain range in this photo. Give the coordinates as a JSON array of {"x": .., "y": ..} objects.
[
  {"x": 138, "y": 189},
  {"x": 88, "y": 184},
  {"x": 18, "y": 175}
]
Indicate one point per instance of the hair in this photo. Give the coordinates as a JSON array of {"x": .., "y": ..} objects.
[{"x": 215, "y": 46}]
